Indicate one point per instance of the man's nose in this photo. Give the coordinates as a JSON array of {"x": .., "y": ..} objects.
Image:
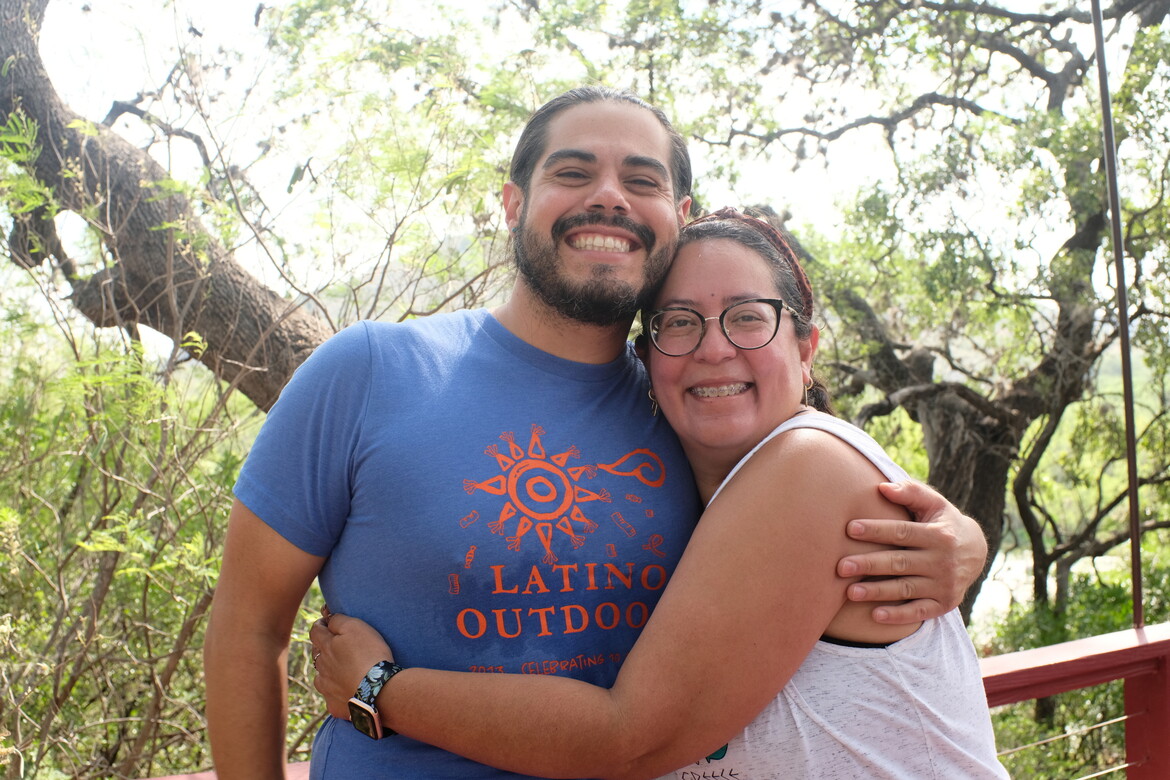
[{"x": 608, "y": 194}]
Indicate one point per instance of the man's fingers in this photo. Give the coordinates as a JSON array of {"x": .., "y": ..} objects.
[
  {"x": 911, "y": 612},
  {"x": 899, "y": 589},
  {"x": 920, "y": 499},
  {"x": 880, "y": 563},
  {"x": 899, "y": 533},
  {"x": 903, "y": 533},
  {"x": 905, "y": 592},
  {"x": 931, "y": 568}
]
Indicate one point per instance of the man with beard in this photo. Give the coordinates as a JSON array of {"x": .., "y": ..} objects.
[{"x": 492, "y": 488}]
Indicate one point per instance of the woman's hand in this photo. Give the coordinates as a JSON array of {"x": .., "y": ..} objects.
[
  {"x": 344, "y": 649},
  {"x": 937, "y": 560}
]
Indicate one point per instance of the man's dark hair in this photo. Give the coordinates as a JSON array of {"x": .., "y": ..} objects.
[{"x": 535, "y": 135}]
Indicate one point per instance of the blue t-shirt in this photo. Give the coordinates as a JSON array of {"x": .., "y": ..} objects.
[{"x": 486, "y": 506}]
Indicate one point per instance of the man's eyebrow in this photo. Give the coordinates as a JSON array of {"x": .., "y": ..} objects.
[
  {"x": 569, "y": 154},
  {"x": 640, "y": 161}
]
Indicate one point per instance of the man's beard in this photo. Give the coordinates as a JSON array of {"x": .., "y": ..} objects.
[{"x": 600, "y": 300}]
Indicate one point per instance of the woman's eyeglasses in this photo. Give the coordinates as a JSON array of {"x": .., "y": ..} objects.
[{"x": 751, "y": 324}]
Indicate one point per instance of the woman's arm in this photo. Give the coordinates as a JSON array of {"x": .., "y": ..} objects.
[
  {"x": 754, "y": 591},
  {"x": 931, "y": 563}
]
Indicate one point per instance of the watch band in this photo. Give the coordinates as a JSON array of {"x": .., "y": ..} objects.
[
  {"x": 362, "y": 711},
  {"x": 371, "y": 685}
]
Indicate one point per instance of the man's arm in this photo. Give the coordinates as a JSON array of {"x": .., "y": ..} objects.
[
  {"x": 942, "y": 554},
  {"x": 261, "y": 585}
]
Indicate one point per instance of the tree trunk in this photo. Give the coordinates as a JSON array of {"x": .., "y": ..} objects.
[
  {"x": 972, "y": 440},
  {"x": 969, "y": 454},
  {"x": 162, "y": 268}
]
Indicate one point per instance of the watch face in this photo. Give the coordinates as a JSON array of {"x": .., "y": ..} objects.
[{"x": 365, "y": 719}]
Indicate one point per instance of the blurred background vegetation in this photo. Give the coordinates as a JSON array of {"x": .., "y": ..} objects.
[{"x": 273, "y": 174}]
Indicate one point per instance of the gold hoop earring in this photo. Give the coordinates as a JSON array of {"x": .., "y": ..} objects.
[
  {"x": 653, "y": 402},
  {"x": 806, "y": 389}
]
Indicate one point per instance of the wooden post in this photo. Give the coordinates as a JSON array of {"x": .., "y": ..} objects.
[{"x": 1147, "y": 730}]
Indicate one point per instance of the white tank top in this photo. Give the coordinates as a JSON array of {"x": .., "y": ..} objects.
[{"x": 912, "y": 710}]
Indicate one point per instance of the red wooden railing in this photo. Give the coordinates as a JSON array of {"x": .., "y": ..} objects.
[{"x": 1139, "y": 656}]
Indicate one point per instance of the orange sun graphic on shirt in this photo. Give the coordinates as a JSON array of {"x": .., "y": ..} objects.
[{"x": 544, "y": 493}]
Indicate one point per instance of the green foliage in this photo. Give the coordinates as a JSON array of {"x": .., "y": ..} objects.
[
  {"x": 18, "y": 138},
  {"x": 112, "y": 497},
  {"x": 20, "y": 192}
]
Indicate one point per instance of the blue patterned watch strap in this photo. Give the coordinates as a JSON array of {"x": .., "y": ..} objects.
[{"x": 372, "y": 683}]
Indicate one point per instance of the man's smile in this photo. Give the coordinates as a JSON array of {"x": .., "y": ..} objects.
[{"x": 595, "y": 242}]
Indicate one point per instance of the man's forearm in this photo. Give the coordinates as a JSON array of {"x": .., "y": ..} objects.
[
  {"x": 262, "y": 581},
  {"x": 247, "y": 707}
]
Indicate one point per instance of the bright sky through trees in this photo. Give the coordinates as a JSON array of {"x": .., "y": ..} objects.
[{"x": 101, "y": 51}]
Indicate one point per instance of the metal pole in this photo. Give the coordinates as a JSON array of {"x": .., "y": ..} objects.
[{"x": 1135, "y": 537}]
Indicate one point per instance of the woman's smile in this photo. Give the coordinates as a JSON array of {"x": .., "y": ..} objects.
[{"x": 720, "y": 391}]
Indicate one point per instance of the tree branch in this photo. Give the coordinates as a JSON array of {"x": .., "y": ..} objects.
[
  {"x": 166, "y": 270},
  {"x": 889, "y": 123}
]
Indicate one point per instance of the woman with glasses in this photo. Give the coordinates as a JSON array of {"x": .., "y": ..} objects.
[{"x": 753, "y": 664}]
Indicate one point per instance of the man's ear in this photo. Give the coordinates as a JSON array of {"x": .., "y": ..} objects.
[
  {"x": 684, "y": 211},
  {"x": 513, "y": 198},
  {"x": 641, "y": 346}
]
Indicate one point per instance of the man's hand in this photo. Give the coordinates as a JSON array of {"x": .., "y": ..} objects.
[{"x": 941, "y": 555}]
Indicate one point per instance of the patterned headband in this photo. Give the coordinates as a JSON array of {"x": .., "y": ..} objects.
[{"x": 776, "y": 239}]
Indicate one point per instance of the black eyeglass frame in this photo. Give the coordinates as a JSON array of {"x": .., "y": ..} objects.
[{"x": 778, "y": 304}]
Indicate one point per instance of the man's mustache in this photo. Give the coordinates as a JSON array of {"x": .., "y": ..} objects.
[{"x": 643, "y": 233}]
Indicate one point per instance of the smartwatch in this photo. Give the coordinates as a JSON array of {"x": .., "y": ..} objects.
[{"x": 362, "y": 711}]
